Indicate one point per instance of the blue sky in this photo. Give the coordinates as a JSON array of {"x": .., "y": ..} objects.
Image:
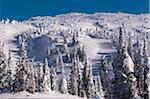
[{"x": 24, "y": 9}]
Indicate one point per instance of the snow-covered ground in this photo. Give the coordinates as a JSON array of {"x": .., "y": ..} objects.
[{"x": 50, "y": 95}]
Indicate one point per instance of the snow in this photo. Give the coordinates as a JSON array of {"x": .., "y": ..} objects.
[
  {"x": 84, "y": 24},
  {"x": 8, "y": 33},
  {"x": 129, "y": 63},
  {"x": 90, "y": 44},
  {"x": 26, "y": 95}
]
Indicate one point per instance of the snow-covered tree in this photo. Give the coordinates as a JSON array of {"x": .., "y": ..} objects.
[
  {"x": 130, "y": 46},
  {"x": 100, "y": 87},
  {"x": 38, "y": 78},
  {"x": 20, "y": 76},
  {"x": 5, "y": 73},
  {"x": 53, "y": 77},
  {"x": 23, "y": 49},
  {"x": 74, "y": 39},
  {"x": 90, "y": 85},
  {"x": 46, "y": 82},
  {"x": 79, "y": 75},
  {"x": 8, "y": 76},
  {"x": 141, "y": 68},
  {"x": 124, "y": 66},
  {"x": 49, "y": 52},
  {"x": 59, "y": 62},
  {"x": 132, "y": 86},
  {"x": 96, "y": 87},
  {"x": 31, "y": 85},
  {"x": 85, "y": 77},
  {"x": 62, "y": 67},
  {"x": 83, "y": 55},
  {"x": 62, "y": 87},
  {"x": 74, "y": 84}
]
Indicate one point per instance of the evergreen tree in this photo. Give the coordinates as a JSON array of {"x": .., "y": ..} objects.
[
  {"x": 49, "y": 52},
  {"x": 63, "y": 85},
  {"x": 130, "y": 51},
  {"x": 74, "y": 39},
  {"x": 132, "y": 86},
  {"x": 5, "y": 73},
  {"x": 100, "y": 87},
  {"x": 8, "y": 76},
  {"x": 122, "y": 69},
  {"x": 83, "y": 55},
  {"x": 20, "y": 76},
  {"x": 53, "y": 77},
  {"x": 31, "y": 85},
  {"x": 46, "y": 82},
  {"x": 79, "y": 76},
  {"x": 85, "y": 77},
  {"x": 74, "y": 85},
  {"x": 62, "y": 67},
  {"x": 96, "y": 87},
  {"x": 90, "y": 85},
  {"x": 39, "y": 80}
]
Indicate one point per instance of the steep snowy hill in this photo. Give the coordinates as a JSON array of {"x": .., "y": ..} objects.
[
  {"x": 8, "y": 36},
  {"x": 98, "y": 24}
]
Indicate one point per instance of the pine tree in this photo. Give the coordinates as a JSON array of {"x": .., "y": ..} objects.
[
  {"x": 85, "y": 77},
  {"x": 121, "y": 36},
  {"x": 39, "y": 84},
  {"x": 8, "y": 76},
  {"x": 130, "y": 51},
  {"x": 146, "y": 68},
  {"x": 31, "y": 78},
  {"x": 74, "y": 39},
  {"x": 59, "y": 62},
  {"x": 83, "y": 55},
  {"x": 100, "y": 87},
  {"x": 132, "y": 86},
  {"x": 142, "y": 69},
  {"x": 74, "y": 85},
  {"x": 79, "y": 76},
  {"x": 90, "y": 85},
  {"x": 65, "y": 40},
  {"x": 96, "y": 87},
  {"x": 122, "y": 69},
  {"x": 23, "y": 50},
  {"x": 5, "y": 73},
  {"x": 49, "y": 52},
  {"x": 46, "y": 83},
  {"x": 63, "y": 85},
  {"x": 20, "y": 76},
  {"x": 8, "y": 81},
  {"x": 62, "y": 67},
  {"x": 53, "y": 77}
]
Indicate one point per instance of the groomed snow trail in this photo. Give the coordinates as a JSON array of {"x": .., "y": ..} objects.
[{"x": 105, "y": 48}]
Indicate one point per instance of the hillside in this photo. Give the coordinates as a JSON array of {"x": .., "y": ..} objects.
[{"x": 83, "y": 39}]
